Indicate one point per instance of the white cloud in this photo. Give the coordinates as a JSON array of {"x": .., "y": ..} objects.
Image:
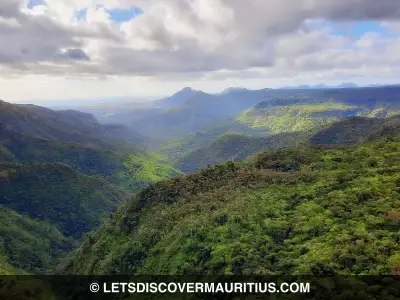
[{"x": 201, "y": 40}]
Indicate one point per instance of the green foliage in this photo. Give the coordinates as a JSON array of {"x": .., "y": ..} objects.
[
  {"x": 86, "y": 159},
  {"x": 5, "y": 267},
  {"x": 112, "y": 165},
  {"x": 57, "y": 193},
  {"x": 292, "y": 211},
  {"x": 5, "y": 154},
  {"x": 295, "y": 118},
  {"x": 144, "y": 169},
  {"x": 177, "y": 149},
  {"x": 27, "y": 244},
  {"x": 357, "y": 129},
  {"x": 236, "y": 147}
]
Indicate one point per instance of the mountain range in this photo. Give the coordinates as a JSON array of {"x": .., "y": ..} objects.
[{"x": 242, "y": 182}]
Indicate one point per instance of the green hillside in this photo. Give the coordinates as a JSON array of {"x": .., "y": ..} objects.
[
  {"x": 293, "y": 211},
  {"x": 28, "y": 245},
  {"x": 316, "y": 109},
  {"x": 298, "y": 112},
  {"x": 236, "y": 147},
  {"x": 34, "y": 134},
  {"x": 295, "y": 118},
  {"x": 76, "y": 203},
  {"x": 89, "y": 160},
  {"x": 59, "y": 172},
  {"x": 140, "y": 170},
  {"x": 176, "y": 149},
  {"x": 288, "y": 111},
  {"x": 67, "y": 126},
  {"x": 199, "y": 111},
  {"x": 357, "y": 129}
]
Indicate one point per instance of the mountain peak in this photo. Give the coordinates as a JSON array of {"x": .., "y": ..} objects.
[
  {"x": 234, "y": 89},
  {"x": 187, "y": 90},
  {"x": 347, "y": 85}
]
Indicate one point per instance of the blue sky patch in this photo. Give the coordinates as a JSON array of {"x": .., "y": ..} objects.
[
  {"x": 33, "y": 3},
  {"x": 124, "y": 15},
  {"x": 360, "y": 28},
  {"x": 81, "y": 15},
  {"x": 117, "y": 15},
  {"x": 355, "y": 30}
]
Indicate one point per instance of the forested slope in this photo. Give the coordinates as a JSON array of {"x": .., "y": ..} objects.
[
  {"x": 57, "y": 193},
  {"x": 308, "y": 210},
  {"x": 28, "y": 245},
  {"x": 236, "y": 147}
]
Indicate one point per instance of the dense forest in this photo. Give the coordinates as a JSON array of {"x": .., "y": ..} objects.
[
  {"x": 244, "y": 182},
  {"x": 61, "y": 174},
  {"x": 282, "y": 212}
]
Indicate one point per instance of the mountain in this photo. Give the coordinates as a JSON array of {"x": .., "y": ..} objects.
[
  {"x": 281, "y": 212},
  {"x": 90, "y": 160},
  {"x": 317, "y": 109},
  {"x": 45, "y": 210},
  {"x": 300, "y": 116},
  {"x": 177, "y": 99},
  {"x": 235, "y": 147},
  {"x": 28, "y": 245},
  {"x": 343, "y": 85},
  {"x": 199, "y": 111},
  {"x": 356, "y": 129},
  {"x": 297, "y": 114},
  {"x": 65, "y": 125},
  {"x": 176, "y": 149},
  {"x": 330, "y": 179},
  {"x": 124, "y": 133},
  {"x": 347, "y": 85},
  {"x": 59, "y": 194},
  {"x": 234, "y": 90},
  {"x": 33, "y": 134},
  {"x": 61, "y": 174},
  {"x": 204, "y": 110}
]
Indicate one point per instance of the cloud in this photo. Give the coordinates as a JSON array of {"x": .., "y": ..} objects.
[
  {"x": 203, "y": 38},
  {"x": 74, "y": 54}
]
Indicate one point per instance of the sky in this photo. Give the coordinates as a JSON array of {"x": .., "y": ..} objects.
[{"x": 88, "y": 49}]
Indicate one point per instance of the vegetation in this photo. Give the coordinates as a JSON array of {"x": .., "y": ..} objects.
[
  {"x": 236, "y": 147},
  {"x": 6, "y": 268},
  {"x": 89, "y": 160},
  {"x": 296, "y": 118},
  {"x": 142, "y": 169},
  {"x": 177, "y": 149},
  {"x": 282, "y": 212},
  {"x": 30, "y": 245},
  {"x": 303, "y": 209},
  {"x": 66, "y": 126},
  {"x": 33, "y": 134},
  {"x": 301, "y": 113},
  {"x": 58, "y": 177},
  {"x": 357, "y": 129},
  {"x": 76, "y": 203}
]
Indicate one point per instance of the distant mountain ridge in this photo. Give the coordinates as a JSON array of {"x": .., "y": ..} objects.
[
  {"x": 178, "y": 98},
  {"x": 233, "y": 90},
  {"x": 286, "y": 121},
  {"x": 324, "y": 86}
]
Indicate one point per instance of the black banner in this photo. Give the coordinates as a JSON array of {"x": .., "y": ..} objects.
[{"x": 200, "y": 287}]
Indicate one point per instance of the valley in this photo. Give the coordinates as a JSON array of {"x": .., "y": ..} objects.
[{"x": 246, "y": 182}]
